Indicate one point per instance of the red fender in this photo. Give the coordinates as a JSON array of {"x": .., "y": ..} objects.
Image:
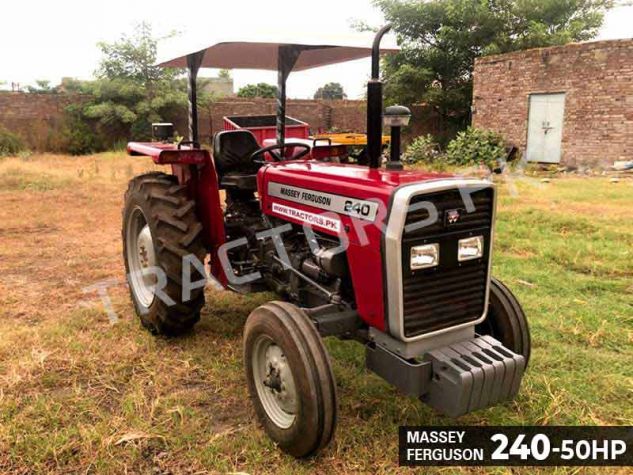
[{"x": 194, "y": 169}]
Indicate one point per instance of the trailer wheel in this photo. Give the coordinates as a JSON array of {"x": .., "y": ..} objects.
[
  {"x": 160, "y": 228},
  {"x": 290, "y": 379},
  {"x": 506, "y": 320}
]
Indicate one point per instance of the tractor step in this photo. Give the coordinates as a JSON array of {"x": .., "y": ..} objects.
[{"x": 454, "y": 379}]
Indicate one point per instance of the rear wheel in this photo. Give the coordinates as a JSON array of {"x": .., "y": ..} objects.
[
  {"x": 160, "y": 228},
  {"x": 290, "y": 379},
  {"x": 506, "y": 320}
]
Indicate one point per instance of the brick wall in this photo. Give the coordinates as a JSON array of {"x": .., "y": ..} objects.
[
  {"x": 597, "y": 79},
  {"x": 39, "y": 118},
  {"x": 322, "y": 115}
]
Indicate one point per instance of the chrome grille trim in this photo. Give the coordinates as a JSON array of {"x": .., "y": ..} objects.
[{"x": 393, "y": 249}]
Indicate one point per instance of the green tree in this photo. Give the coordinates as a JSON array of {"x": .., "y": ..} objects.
[
  {"x": 440, "y": 40},
  {"x": 133, "y": 58},
  {"x": 129, "y": 94},
  {"x": 224, "y": 74},
  {"x": 331, "y": 90},
  {"x": 42, "y": 86},
  {"x": 261, "y": 89}
]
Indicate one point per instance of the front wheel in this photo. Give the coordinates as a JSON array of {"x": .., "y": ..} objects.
[
  {"x": 506, "y": 320},
  {"x": 290, "y": 379}
]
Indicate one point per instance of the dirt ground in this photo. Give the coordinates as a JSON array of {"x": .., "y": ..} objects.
[{"x": 81, "y": 392}]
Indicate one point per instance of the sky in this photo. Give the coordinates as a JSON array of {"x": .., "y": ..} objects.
[{"x": 54, "y": 39}]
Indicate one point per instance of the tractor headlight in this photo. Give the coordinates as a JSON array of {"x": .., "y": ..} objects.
[
  {"x": 425, "y": 256},
  {"x": 470, "y": 248}
]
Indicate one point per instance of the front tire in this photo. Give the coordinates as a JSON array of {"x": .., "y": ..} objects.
[
  {"x": 160, "y": 228},
  {"x": 506, "y": 320},
  {"x": 290, "y": 378}
]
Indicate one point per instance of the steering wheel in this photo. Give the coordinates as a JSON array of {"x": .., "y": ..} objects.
[{"x": 273, "y": 150}]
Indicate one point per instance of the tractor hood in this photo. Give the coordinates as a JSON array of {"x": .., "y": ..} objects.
[
  {"x": 308, "y": 191},
  {"x": 346, "y": 180}
]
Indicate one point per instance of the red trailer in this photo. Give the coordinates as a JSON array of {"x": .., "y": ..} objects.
[{"x": 265, "y": 126}]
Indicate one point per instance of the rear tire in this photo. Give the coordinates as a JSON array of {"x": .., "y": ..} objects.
[
  {"x": 506, "y": 320},
  {"x": 290, "y": 378},
  {"x": 159, "y": 229}
]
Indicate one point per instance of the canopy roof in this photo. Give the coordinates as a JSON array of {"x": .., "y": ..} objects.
[{"x": 260, "y": 50}]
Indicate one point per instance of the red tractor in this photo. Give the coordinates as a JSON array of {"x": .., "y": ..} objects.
[{"x": 398, "y": 260}]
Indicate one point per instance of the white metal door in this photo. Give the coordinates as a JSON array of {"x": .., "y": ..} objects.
[{"x": 545, "y": 127}]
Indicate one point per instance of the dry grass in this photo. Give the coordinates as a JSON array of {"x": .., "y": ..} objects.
[{"x": 78, "y": 394}]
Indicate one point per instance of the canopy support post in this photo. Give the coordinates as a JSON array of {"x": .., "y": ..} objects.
[
  {"x": 194, "y": 61},
  {"x": 286, "y": 59}
]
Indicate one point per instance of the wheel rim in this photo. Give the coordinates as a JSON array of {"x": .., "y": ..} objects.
[
  {"x": 274, "y": 382},
  {"x": 141, "y": 258}
]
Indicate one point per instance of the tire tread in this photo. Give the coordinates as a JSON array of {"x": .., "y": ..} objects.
[{"x": 171, "y": 215}]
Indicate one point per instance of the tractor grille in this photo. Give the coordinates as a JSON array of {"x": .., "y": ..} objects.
[{"x": 453, "y": 292}]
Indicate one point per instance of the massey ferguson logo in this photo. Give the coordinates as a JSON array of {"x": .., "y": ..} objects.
[{"x": 451, "y": 217}]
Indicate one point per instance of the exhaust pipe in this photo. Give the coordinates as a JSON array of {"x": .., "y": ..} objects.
[{"x": 374, "y": 104}]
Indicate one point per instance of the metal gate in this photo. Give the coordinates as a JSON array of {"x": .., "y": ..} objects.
[{"x": 545, "y": 127}]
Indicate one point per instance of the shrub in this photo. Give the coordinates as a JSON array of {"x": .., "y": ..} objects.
[
  {"x": 80, "y": 141},
  {"x": 476, "y": 146},
  {"x": 424, "y": 150},
  {"x": 79, "y": 137},
  {"x": 10, "y": 144},
  {"x": 261, "y": 89}
]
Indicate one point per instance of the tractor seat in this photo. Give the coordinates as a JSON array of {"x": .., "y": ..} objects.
[{"x": 232, "y": 150}]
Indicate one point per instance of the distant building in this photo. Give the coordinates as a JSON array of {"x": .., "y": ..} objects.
[{"x": 568, "y": 104}]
